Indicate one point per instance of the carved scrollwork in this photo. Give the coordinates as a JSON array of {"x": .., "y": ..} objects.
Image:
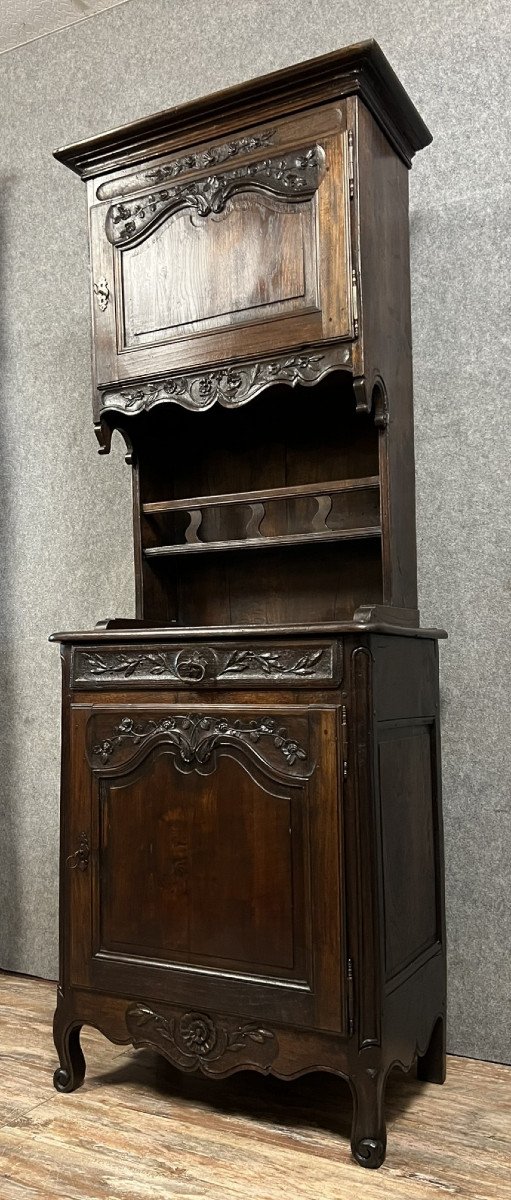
[
  {"x": 294, "y": 176},
  {"x": 369, "y": 1152},
  {"x": 228, "y": 386},
  {"x": 196, "y": 737},
  {"x": 196, "y": 1040}
]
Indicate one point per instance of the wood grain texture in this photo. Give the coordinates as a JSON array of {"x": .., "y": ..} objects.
[
  {"x": 172, "y": 279},
  {"x": 140, "y": 1130}
]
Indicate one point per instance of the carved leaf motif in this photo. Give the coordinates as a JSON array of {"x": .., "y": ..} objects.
[
  {"x": 124, "y": 664},
  {"x": 271, "y": 661}
]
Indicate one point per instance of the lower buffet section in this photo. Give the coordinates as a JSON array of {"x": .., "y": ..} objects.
[
  {"x": 251, "y": 856},
  {"x": 218, "y": 1045}
]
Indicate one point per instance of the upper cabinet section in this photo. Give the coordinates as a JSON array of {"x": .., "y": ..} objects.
[
  {"x": 233, "y": 248},
  {"x": 228, "y": 241}
]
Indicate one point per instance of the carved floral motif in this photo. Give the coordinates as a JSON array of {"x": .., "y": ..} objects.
[
  {"x": 228, "y": 386},
  {"x": 196, "y": 737},
  {"x": 210, "y": 157},
  {"x": 196, "y": 1040},
  {"x": 294, "y": 176}
]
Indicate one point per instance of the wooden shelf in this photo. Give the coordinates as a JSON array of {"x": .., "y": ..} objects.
[
  {"x": 283, "y": 493},
  {"x": 266, "y": 543}
]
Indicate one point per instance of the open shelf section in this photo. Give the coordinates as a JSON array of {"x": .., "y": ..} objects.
[
  {"x": 265, "y": 543},
  {"x": 280, "y": 516}
]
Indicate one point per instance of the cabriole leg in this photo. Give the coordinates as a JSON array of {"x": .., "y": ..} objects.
[
  {"x": 66, "y": 1035},
  {"x": 368, "y": 1133}
]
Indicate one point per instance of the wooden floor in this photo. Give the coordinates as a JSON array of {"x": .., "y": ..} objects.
[{"x": 137, "y": 1130}]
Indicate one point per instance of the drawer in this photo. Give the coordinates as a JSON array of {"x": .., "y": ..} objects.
[{"x": 240, "y": 664}]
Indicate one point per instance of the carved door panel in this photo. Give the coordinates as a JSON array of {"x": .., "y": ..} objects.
[
  {"x": 213, "y": 877},
  {"x": 195, "y": 257}
]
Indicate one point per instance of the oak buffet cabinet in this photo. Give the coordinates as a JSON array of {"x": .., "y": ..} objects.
[{"x": 251, "y": 859}]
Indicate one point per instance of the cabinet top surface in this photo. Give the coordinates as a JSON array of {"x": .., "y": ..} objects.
[
  {"x": 151, "y": 633},
  {"x": 359, "y": 69}
]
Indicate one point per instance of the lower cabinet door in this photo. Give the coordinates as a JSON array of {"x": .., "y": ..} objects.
[{"x": 203, "y": 848}]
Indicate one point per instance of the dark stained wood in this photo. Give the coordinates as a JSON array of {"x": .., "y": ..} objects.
[
  {"x": 276, "y": 277},
  {"x": 382, "y": 361},
  {"x": 217, "y": 877},
  {"x": 408, "y": 848},
  {"x": 284, "y": 493},
  {"x": 260, "y": 543},
  {"x": 251, "y": 833}
]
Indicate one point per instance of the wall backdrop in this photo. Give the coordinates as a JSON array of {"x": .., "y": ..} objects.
[{"x": 65, "y": 513}]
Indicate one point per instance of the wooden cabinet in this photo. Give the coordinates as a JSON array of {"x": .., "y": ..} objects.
[{"x": 251, "y": 860}]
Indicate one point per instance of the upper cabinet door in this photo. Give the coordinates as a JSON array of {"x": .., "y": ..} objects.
[{"x": 232, "y": 251}]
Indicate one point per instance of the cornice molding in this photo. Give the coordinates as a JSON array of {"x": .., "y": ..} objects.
[{"x": 361, "y": 69}]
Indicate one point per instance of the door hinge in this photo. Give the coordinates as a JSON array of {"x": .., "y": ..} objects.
[
  {"x": 344, "y": 727},
  {"x": 351, "y": 1018},
  {"x": 351, "y": 166},
  {"x": 354, "y": 292}
]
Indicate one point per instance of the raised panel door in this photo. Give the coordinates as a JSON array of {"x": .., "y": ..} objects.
[
  {"x": 214, "y": 875},
  {"x": 224, "y": 259}
]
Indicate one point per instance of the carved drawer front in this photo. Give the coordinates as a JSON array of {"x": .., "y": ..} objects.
[
  {"x": 193, "y": 248},
  {"x": 203, "y": 858},
  {"x": 310, "y": 664}
]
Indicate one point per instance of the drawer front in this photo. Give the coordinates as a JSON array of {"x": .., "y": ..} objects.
[
  {"x": 272, "y": 664},
  {"x": 190, "y": 251}
]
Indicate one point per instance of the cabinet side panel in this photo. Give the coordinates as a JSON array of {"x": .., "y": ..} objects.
[
  {"x": 405, "y": 678},
  {"x": 385, "y": 350},
  {"x": 408, "y": 791},
  {"x": 408, "y": 843}
]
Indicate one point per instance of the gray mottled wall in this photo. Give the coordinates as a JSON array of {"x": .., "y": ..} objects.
[{"x": 64, "y": 513}]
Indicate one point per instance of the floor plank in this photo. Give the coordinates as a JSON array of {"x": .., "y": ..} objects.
[{"x": 138, "y": 1130}]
